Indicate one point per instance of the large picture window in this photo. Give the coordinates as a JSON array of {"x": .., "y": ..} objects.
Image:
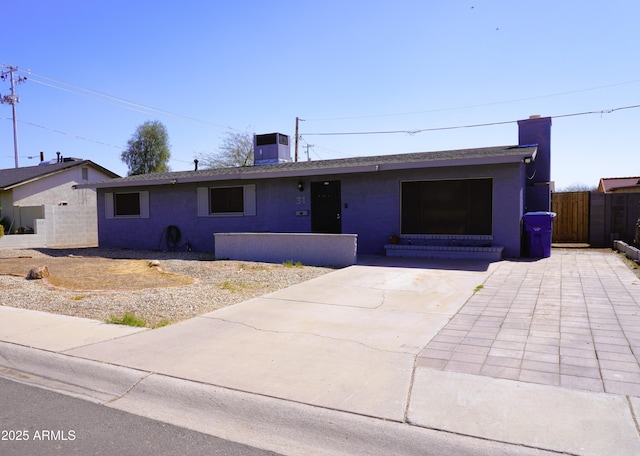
[{"x": 456, "y": 206}]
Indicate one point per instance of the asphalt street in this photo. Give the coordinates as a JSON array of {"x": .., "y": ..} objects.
[{"x": 36, "y": 422}]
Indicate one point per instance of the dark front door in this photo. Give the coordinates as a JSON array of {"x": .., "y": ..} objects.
[{"x": 326, "y": 214}]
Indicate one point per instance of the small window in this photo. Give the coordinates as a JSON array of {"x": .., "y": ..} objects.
[
  {"x": 127, "y": 205},
  {"x": 226, "y": 200},
  {"x": 85, "y": 174}
]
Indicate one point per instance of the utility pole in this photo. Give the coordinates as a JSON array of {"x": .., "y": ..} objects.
[
  {"x": 296, "y": 146},
  {"x": 12, "y": 99},
  {"x": 297, "y": 135},
  {"x": 308, "y": 156}
]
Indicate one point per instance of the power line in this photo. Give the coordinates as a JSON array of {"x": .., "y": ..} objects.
[
  {"x": 422, "y": 130},
  {"x": 93, "y": 95},
  {"x": 603, "y": 111},
  {"x": 79, "y": 137},
  {"x": 130, "y": 108},
  {"x": 407, "y": 132},
  {"x": 64, "y": 133},
  {"x": 482, "y": 105},
  {"x": 113, "y": 100},
  {"x": 121, "y": 102}
]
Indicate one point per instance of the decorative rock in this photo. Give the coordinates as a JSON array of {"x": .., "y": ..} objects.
[
  {"x": 38, "y": 273},
  {"x": 156, "y": 264}
]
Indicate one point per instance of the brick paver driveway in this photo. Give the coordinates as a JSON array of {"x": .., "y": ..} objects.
[{"x": 571, "y": 320}]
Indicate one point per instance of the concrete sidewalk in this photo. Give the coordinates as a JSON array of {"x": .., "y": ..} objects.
[{"x": 540, "y": 354}]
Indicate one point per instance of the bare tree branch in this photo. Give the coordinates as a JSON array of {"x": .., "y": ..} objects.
[{"x": 236, "y": 150}]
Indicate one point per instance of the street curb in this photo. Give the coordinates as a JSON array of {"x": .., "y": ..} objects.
[
  {"x": 293, "y": 428},
  {"x": 90, "y": 380},
  {"x": 268, "y": 423}
]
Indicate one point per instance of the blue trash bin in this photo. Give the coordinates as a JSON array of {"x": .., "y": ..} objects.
[{"x": 537, "y": 233}]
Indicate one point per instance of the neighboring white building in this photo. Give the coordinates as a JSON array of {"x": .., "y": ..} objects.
[{"x": 40, "y": 207}]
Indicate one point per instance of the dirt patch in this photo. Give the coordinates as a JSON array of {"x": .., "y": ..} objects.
[
  {"x": 90, "y": 273},
  {"x": 101, "y": 284}
]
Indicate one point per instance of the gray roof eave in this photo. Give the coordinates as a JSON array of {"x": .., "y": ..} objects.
[
  {"x": 166, "y": 180},
  {"x": 304, "y": 169},
  {"x": 476, "y": 161}
]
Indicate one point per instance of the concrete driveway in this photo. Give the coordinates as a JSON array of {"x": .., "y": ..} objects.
[{"x": 347, "y": 340}]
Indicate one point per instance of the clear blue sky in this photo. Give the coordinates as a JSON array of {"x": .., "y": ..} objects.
[{"x": 98, "y": 69}]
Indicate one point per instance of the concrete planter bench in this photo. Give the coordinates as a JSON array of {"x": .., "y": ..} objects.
[{"x": 308, "y": 248}]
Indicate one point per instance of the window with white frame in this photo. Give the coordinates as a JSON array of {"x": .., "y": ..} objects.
[
  {"x": 127, "y": 205},
  {"x": 227, "y": 201}
]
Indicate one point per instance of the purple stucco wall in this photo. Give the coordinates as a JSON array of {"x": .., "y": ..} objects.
[
  {"x": 370, "y": 209},
  {"x": 537, "y": 130}
]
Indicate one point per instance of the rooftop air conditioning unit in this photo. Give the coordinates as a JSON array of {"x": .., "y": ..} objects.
[{"x": 271, "y": 149}]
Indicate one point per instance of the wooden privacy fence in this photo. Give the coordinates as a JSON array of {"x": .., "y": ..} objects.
[{"x": 571, "y": 223}]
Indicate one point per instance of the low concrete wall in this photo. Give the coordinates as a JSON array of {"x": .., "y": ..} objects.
[
  {"x": 307, "y": 248},
  {"x": 23, "y": 241},
  {"x": 630, "y": 251}
]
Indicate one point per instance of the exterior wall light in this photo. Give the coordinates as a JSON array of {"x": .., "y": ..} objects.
[{"x": 301, "y": 186}]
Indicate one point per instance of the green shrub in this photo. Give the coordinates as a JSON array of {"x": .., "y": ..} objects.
[
  {"x": 291, "y": 264},
  {"x": 234, "y": 286},
  {"x": 128, "y": 319}
]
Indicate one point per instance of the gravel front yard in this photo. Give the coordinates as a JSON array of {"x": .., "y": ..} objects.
[{"x": 217, "y": 284}]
